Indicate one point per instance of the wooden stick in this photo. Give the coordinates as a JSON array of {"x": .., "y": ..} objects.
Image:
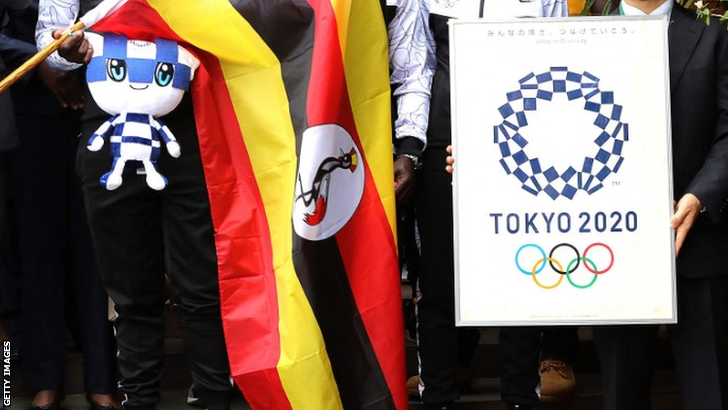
[{"x": 38, "y": 57}]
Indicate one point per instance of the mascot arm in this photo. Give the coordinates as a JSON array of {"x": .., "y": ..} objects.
[
  {"x": 96, "y": 141},
  {"x": 171, "y": 142}
]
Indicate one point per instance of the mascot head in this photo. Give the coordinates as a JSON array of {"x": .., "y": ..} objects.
[{"x": 138, "y": 76}]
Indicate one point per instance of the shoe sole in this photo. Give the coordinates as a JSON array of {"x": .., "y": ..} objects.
[{"x": 556, "y": 399}]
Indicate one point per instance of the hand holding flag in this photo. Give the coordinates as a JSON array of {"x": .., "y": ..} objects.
[{"x": 75, "y": 48}]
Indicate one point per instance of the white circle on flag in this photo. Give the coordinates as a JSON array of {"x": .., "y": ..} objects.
[{"x": 329, "y": 183}]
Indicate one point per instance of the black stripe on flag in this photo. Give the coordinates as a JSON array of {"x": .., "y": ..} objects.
[{"x": 287, "y": 26}]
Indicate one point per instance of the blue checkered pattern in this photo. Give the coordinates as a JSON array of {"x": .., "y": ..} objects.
[
  {"x": 141, "y": 70},
  {"x": 136, "y": 129},
  {"x": 586, "y": 175}
]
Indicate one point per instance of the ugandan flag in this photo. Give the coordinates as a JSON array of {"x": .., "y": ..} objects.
[{"x": 292, "y": 109}]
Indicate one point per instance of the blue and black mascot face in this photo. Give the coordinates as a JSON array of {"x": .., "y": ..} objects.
[{"x": 136, "y": 82}]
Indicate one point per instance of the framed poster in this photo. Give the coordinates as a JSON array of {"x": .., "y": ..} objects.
[{"x": 562, "y": 184}]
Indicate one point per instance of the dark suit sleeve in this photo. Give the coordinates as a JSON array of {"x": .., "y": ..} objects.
[
  {"x": 15, "y": 4},
  {"x": 710, "y": 184},
  {"x": 14, "y": 52}
]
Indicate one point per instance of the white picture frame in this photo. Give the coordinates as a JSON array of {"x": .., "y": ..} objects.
[{"x": 561, "y": 134}]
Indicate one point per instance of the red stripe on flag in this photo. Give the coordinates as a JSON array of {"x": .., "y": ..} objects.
[
  {"x": 247, "y": 277},
  {"x": 376, "y": 289},
  {"x": 248, "y": 293},
  {"x": 143, "y": 23}
]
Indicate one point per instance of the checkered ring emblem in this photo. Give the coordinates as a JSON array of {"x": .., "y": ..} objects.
[{"x": 587, "y": 174}]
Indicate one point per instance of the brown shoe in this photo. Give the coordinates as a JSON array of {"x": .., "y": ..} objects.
[
  {"x": 413, "y": 387},
  {"x": 557, "y": 381},
  {"x": 463, "y": 382}
]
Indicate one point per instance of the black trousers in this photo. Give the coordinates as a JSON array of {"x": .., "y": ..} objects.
[
  {"x": 56, "y": 258},
  {"x": 9, "y": 270},
  {"x": 442, "y": 346},
  {"x": 522, "y": 349},
  {"x": 700, "y": 346},
  {"x": 4, "y": 197},
  {"x": 137, "y": 232}
]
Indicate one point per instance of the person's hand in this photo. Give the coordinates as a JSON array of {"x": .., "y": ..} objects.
[
  {"x": 76, "y": 48},
  {"x": 687, "y": 210},
  {"x": 404, "y": 180},
  {"x": 62, "y": 84},
  {"x": 450, "y": 160}
]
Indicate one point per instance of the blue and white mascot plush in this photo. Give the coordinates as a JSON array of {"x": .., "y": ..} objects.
[{"x": 137, "y": 81}]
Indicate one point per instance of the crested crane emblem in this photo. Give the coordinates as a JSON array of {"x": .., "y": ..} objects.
[{"x": 329, "y": 184}]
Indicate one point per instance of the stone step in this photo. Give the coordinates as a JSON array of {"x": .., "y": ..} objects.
[
  {"x": 588, "y": 394},
  {"x": 485, "y": 365},
  {"x": 485, "y": 396},
  {"x": 176, "y": 373}
]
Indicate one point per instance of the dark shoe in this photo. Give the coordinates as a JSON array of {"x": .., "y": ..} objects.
[
  {"x": 463, "y": 382},
  {"x": 54, "y": 405},
  {"x": 192, "y": 399},
  {"x": 96, "y": 406},
  {"x": 450, "y": 406}
]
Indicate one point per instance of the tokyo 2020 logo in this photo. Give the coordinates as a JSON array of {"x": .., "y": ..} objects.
[
  {"x": 588, "y": 172},
  {"x": 538, "y": 261}
]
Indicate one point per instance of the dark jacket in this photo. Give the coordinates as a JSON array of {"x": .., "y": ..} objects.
[
  {"x": 17, "y": 45},
  {"x": 699, "y": 101},
  {"x": 8, "y": 133}
]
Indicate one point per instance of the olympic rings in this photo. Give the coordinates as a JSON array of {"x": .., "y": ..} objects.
[
  {"x": 558, "y": 282},
  {"x": 611, "y": 255},
  {"x": 585, "y": 259},
  {"x": 551, "y": 254},
  {"x": 570, "y": 267},
  {"x": 530, "y": 245}
]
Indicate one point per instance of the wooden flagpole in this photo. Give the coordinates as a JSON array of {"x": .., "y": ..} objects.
[{"x": 39, "y": 57}]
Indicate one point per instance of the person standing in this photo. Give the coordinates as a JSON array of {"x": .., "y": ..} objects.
[
  {"x": 412, "y": 62},
  {"x": 55, "y": 256},
  {"x": 8, "y": 139},
  {"x": 137, "y": 232},
  {"x": 699, "y": 103},
  {"x": 443, "y": 347}
]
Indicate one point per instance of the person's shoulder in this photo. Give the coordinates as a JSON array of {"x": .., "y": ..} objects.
[
  {"x": 714, "y": 28},
  {"x": 688, "y": 18},
  {"x": 717, "y": 27},
  {"x": 678, "y": 10}
]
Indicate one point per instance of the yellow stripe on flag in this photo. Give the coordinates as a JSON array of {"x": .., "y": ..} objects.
[
  {"x": 366, "y": 64},
  {"x": 253, "y": 77},
  {"x": 342, "y": 8}
]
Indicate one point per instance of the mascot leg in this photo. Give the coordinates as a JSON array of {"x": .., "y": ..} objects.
[
  {"x": 155, "y": 180},
  {"x": 112, "y": 179}
]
